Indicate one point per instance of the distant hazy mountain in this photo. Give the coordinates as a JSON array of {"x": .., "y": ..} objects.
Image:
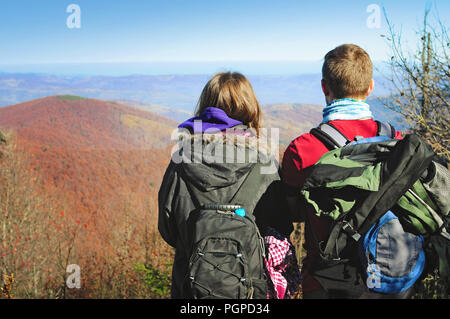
[
  {"x": 382, "y": 113},
  {"x": 175, "y": 114},
  {"x": 177, "y": 91},
  {"x": 292, "y": 119}
]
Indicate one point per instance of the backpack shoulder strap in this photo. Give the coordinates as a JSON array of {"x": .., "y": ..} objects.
[
  {"x": 333, "y": 139},
  {"x": 385, "y": 129},
  {"x": 330, "y": 136}
]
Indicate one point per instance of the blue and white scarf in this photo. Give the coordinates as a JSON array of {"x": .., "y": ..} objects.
[{"x": 346, "y": 109}]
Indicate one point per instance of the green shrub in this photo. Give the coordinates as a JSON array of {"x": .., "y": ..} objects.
[
  {"x": 71, "y": 97},
  {"x": 432, "y": 287},
  {"x": 157, "y": 282}
]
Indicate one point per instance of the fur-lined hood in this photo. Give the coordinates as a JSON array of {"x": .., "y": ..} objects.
[{"x": 212, "y": 161}]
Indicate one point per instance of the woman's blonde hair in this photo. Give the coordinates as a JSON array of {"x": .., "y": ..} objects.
[{"x": 233, "y": 93}]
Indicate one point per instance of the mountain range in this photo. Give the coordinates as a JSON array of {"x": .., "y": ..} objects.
[{"x": 177, "y": 91}]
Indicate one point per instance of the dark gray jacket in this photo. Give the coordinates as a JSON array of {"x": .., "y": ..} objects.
[{"x": 185, "y": 181}]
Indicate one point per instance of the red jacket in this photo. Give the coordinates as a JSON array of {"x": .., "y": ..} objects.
[{"x": 301, "y": 154}]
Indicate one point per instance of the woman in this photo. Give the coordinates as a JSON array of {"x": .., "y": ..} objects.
[{"x": 220, "y": 148}]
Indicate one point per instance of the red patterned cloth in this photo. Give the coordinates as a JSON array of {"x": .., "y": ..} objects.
[{"x": 281, "y": 266}]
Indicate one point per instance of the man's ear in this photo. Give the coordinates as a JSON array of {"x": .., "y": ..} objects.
[
  {"x": 325, "y": 88},
  {"x": 371, "y": 87}
]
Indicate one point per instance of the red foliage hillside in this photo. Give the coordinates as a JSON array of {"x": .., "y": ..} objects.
[
  {"x": 96, "y": 154},
  {"x": 83, "y": 183},
  {"x": 76, "y": 122}
]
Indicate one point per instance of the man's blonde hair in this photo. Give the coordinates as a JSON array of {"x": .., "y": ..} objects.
[{"x": 347, "y": 71}]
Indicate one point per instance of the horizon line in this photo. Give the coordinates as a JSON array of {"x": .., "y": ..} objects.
[{"x": 171, "y": 62}]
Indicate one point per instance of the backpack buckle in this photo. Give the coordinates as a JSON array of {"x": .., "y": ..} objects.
[{"x": 351, "y": 231}]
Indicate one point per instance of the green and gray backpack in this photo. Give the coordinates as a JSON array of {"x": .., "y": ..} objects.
[{"x": 358, "y": 182}]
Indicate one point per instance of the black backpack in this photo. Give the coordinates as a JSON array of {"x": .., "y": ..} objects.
[{"x": 227, "y": 249}]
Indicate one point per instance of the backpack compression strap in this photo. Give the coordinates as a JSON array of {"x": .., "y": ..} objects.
[{"x": 333, "y": 139}]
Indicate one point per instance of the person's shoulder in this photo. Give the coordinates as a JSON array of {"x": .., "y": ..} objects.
[
  {"x": 303, "y": 152},
  {"x": 306, "y": 146},
  {"x": 301, "y": 142}
]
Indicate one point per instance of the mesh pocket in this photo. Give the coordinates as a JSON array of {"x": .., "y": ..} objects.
[{"x": 218, "y": 269}]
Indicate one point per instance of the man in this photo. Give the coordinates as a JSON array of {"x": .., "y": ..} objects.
[{"x": 347, "y": 82}]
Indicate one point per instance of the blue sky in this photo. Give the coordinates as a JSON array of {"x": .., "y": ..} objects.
[{"x": 132, "y": 31}]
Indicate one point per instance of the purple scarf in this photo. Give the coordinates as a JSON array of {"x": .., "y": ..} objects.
[{"x": 211, "y": 118}]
